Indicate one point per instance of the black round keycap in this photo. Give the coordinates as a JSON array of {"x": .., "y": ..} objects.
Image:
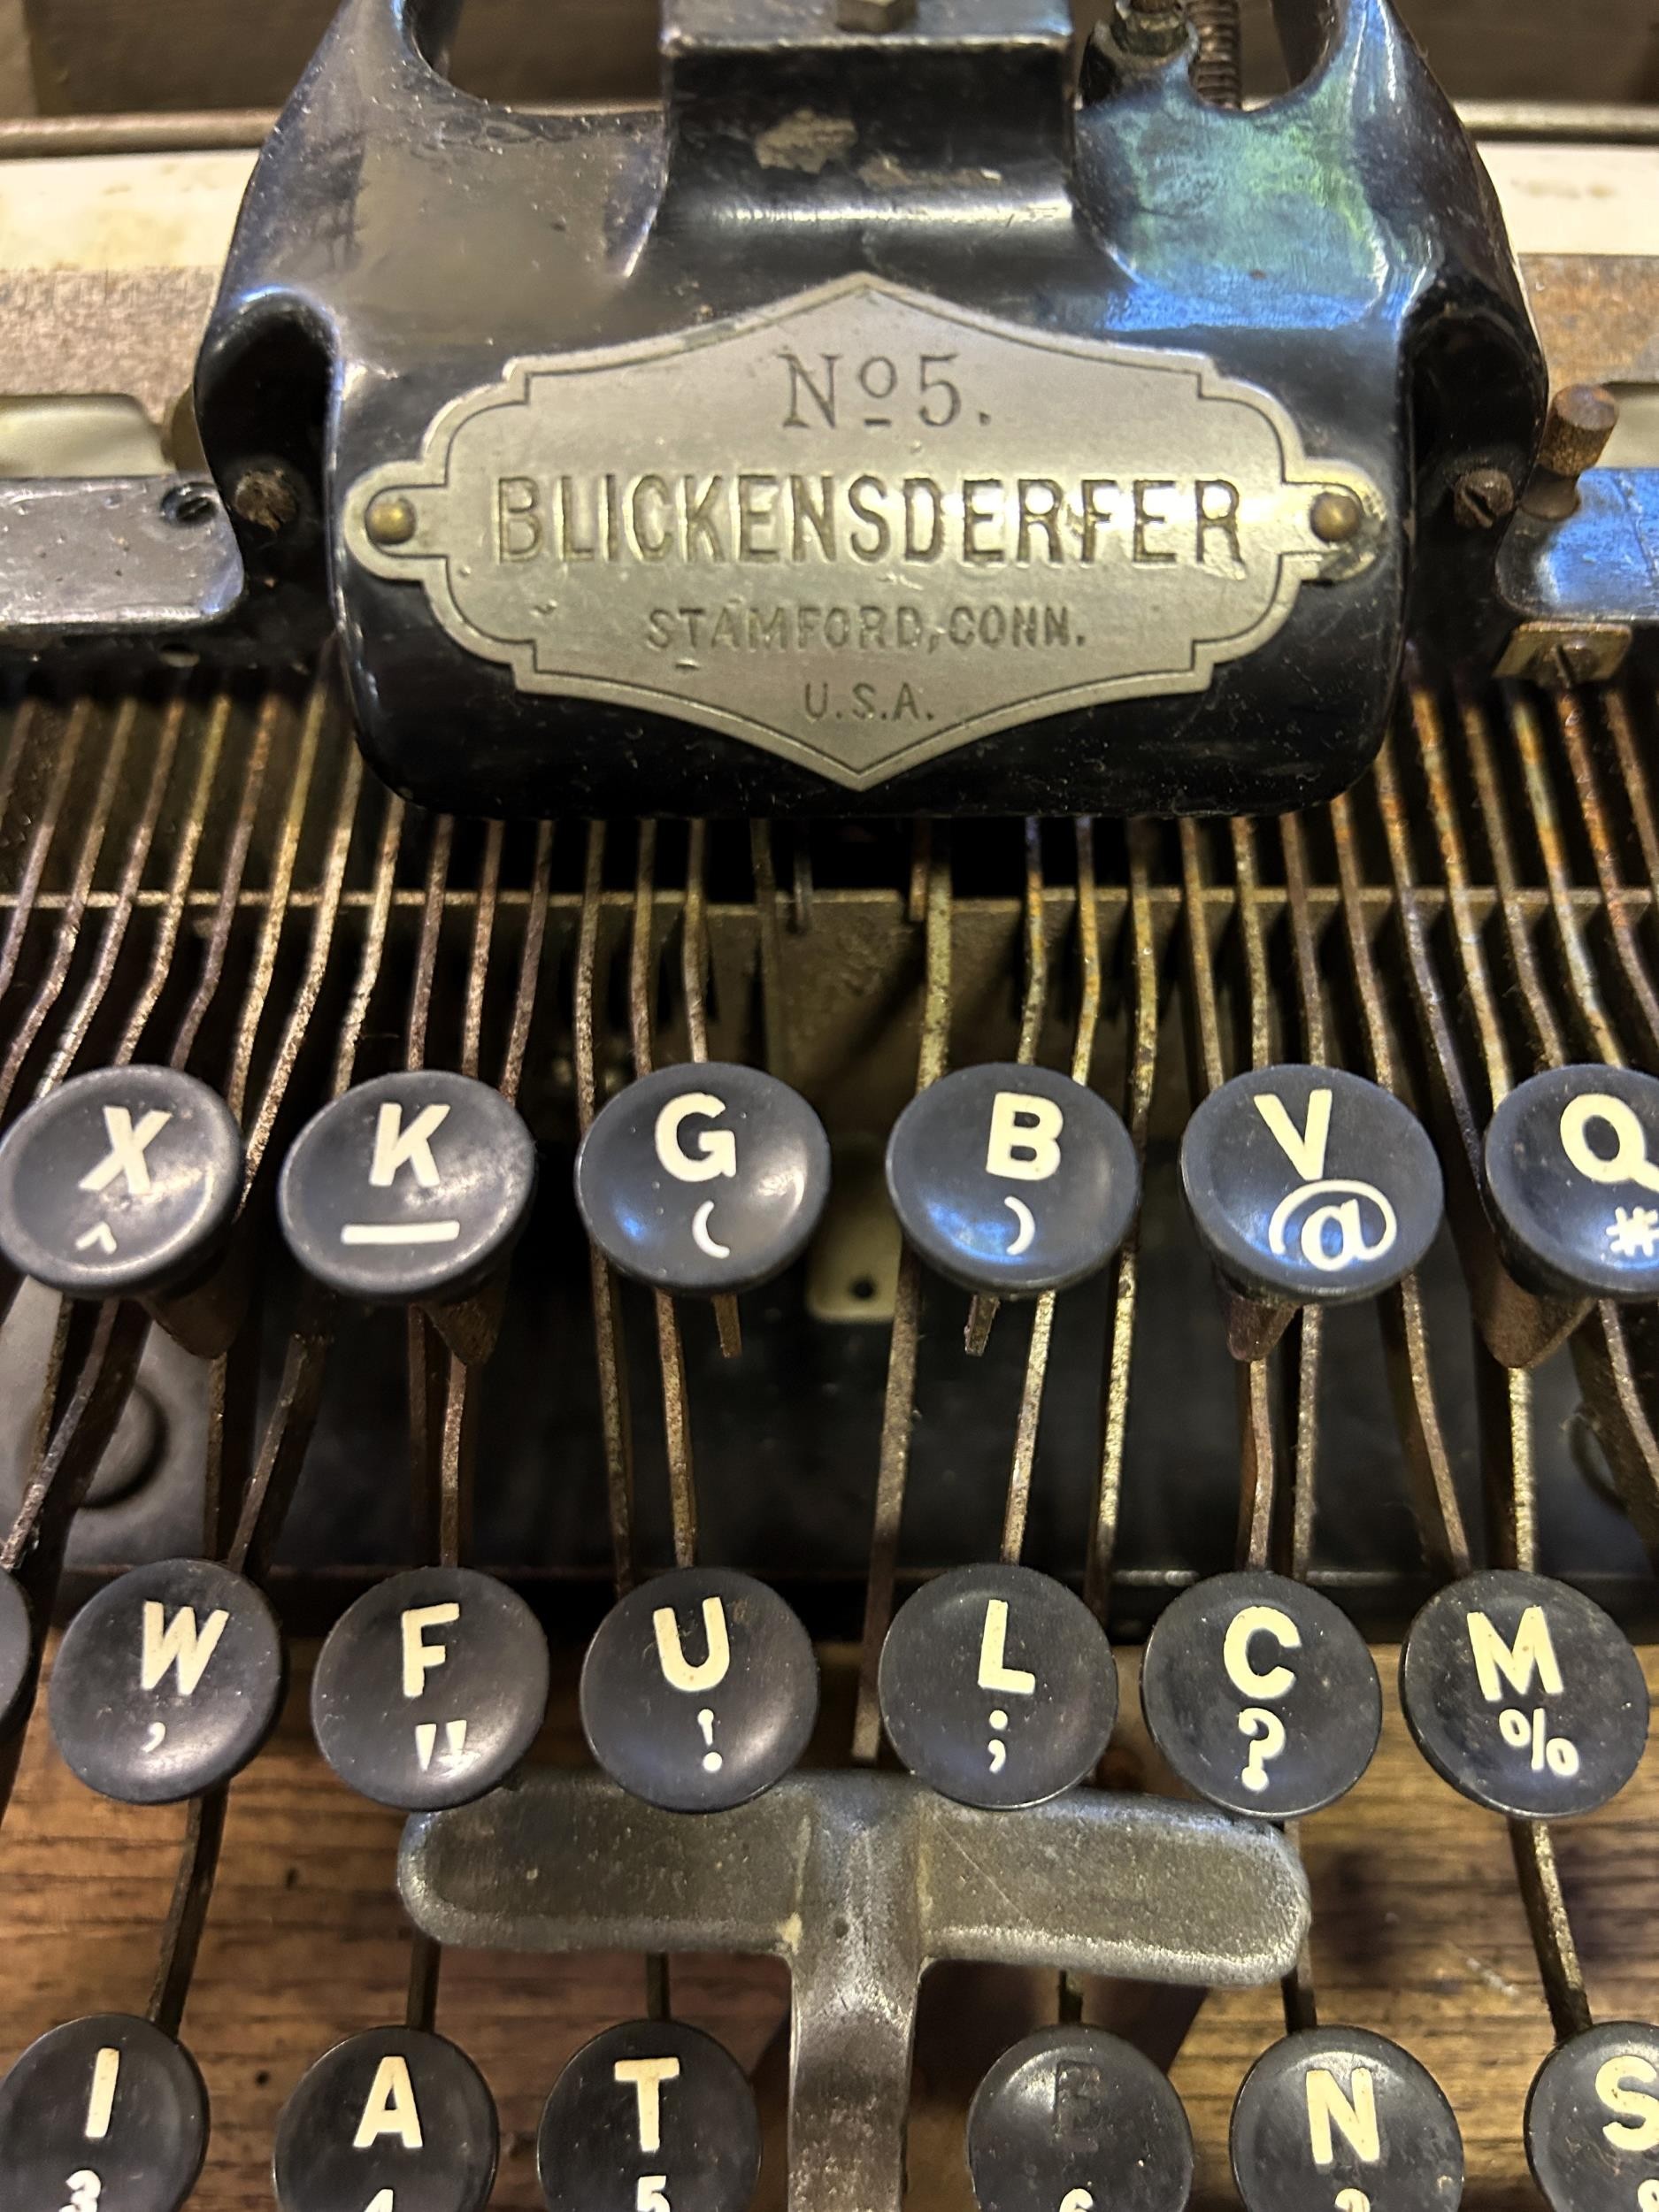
[
  {"x": 703, "y": 1179},
  {"x": 1075, "y": 2117},
  {"x": 394, "y": 2120},
  {"x": 1310, "y": 1185},
  {"x": 1523, "y": 1695},
  {"x": 649, "y": 2116},
  {"x": 17, "y": 1650},
  {"x": 997, "y": 1686},
  {"x": 700, "y": 1690},
  {"x": 103, "y": 2114},
  {"x": 1261, "y": 1694},
  {"x": 120, "y": 1182},
  {"x": 1012, "y": 1179},
  {"x": 1592, "y": 2121},
  {"x": 1572, "y": 1173},
  {"x": 413, "y": 1188},
  {"x": 430, "y": 1688},
  {"x": 1339, "y": 2120},
  {"x": 167, "y": 1681}
]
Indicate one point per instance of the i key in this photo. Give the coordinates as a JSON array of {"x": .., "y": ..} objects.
[
  {"x": 168, "y": 1681},
  {"x": 430, "y": 1689},
  {"x": 1261, "y": 1694},
  {"x": 393, "y": 2120},
  {"x": 1524, "y": 1694},
  {"x": 103, "y": 2114},
  {"x": 1339, "y": 2120},
  {"x": 700, "y": 1690},
  {"x": 1592, "y": 2121},
  {"x": 1309, "y": 1186},
  {"x": 1073, "y": 2119},
  {"x": 650, "y": 2115},
  {"x": 1572, "y": 1180},
  {"x": 703, "y": 1179},
  {"x": 1012, "y": 1180},
  {"x": 997, "y": 1686}
]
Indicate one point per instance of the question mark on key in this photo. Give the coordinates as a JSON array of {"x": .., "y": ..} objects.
[
  {"x": 1268, "y": 1731},
  {"x": 1352, "y": 2200}
]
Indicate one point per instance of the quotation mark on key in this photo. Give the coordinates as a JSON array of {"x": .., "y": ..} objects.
[{"x": 1555, "y": 1752}]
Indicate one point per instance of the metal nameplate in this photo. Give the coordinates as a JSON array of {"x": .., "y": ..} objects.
[{"x": 864, "y": 527}]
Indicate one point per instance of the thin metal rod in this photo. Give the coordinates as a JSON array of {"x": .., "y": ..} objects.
[
  {"x": 171, "y": 918},
  {"x": 1308, "y": 1334},
  {"x": 774, "y": 997},
  {"x": 529, "y": 964},
  {"x": 982, "y": 1308},
  {"x": 693, "y": 971},
  {"x": 43, "y": 830}
]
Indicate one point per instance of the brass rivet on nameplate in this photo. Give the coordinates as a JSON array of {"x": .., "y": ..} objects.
[
  {"x": 1336, "y": 518},
  {"x": 391, "y": 518}
]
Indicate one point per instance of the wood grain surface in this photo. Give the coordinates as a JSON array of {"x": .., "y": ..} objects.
[{"x": 1418, "y": 1934}]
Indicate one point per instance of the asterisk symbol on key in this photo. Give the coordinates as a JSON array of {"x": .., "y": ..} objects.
[{"x": 1634, "y": 1232}]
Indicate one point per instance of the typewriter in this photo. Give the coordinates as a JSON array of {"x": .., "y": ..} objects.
[{"x": 829, "y": 1111}]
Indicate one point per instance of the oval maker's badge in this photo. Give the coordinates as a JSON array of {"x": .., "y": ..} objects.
[{"x": 864, "y": 526}]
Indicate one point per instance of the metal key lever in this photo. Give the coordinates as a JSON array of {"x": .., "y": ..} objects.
[{"x": 860, "y": 1881}]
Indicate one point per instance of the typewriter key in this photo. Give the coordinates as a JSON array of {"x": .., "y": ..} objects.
[
  {"x": 410, "y": 1188},
  {"x": 703, "y": 1179},
  {"x": 394, "y": 2120},
  {"x": 1592, "y": 2121},
  {"x": 997, "y": 1686},
  {"x": 1523, "y": 1695},
  {"x": 1073, "y": 2116},
  {"x": 166, "y": 1682},
  {"x": 430, "y": 1688},
  {"x": 122, "y": 1182},
  {"x": 103, "y": 2114},
  {"x": 1261, "y": 1694},
  {"x": 1308, "y": 1184},
  {"x": 649, "y": 2115},
  {"x": 17, "y": 1652},
  {"x": 1012, "y": 1179},
  {"x": 1573, "y": 1189},
  {"x": 700, "y": 1690},
  {"x": 1337, "y": 2117}
]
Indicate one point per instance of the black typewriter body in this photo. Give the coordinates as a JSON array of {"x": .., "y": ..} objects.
[{"x": 829, "y": 1082}]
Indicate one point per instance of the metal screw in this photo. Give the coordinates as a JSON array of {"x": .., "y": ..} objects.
[
  {"x": 391, "y": 518},
  {"x": 267, "y": 496},
  {"x": 1582, "y": 418},
  {"x": 188, "y": 505},
  {"x": 1153, "y": 30},
  {"x": 1336, "y": 518},
  {"x": 874, "y": 15},
  {"x": 1482, "y": 499}
]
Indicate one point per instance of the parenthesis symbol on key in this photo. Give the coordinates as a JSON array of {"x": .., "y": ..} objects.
[
  {"x": 1021, "y": 1214},
  {"x": 700, "y": 1237}
]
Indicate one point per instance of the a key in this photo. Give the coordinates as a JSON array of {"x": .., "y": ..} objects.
[
  {"x": 703, "y": 1179},
  {"x": 997, "y": 1686},
  {"x": 1075, "y": 2119},
  {"x": 167, "y": 1681},
  {"x": 1261, "y": 1694},
  {"x": 650, "y": 2116},
  {"x": 1592, "y": 2121},
  {"x": 393, "y": 2120},
  {"x": 1339, "y": 2120},
  {"x": 1012, "y": 1180},
  {"x": 410, "y": 1189},
  {"x": 430, "y": 1688},
  {"x": 120, "y": 1183},
  {"x": 103, "y": 2114},
  {"x": 17, "y": 1652},
  {"x": 700, "y": 1690},
  {"x": 1309, "y": 1186},
  {"x": 1572, "y": 1180},
  {"x": 1524, "y": 1694}
]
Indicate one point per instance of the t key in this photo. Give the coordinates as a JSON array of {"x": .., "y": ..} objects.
[
  {"x": 1592, "y": 2121},
  {"x": 1310, "y": 1185},
  {"x": 1012, "y": 1180},
  {"x": 430, "y": 1689},
  {"x": 1573, "y": 1178},
  {"x": 410, "y": 1188},
  {"x": 1073, "y": 2119},
  {"x": 394, "y": 2120},
  {"x": 699, "y": 1690},
  {"x": 122, "y": 1182},
  {"x": 1338, "y": 2117},
  {"x": 103, "y": 2114},
  {"x": 997, "y": 1686},
  {"x": 703, "y": 1179},
  {"x": 1524, "y": 1694},
  {"x": 166, "y": 1682},
  {"x": 650, "y": 2115}
]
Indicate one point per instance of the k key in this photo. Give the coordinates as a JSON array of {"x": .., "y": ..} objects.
[
  {"x": 103, "y": 2114},
  {"x": 1339, "y": 2120},
  {"x": 1073, "y": 2119},
  {"x": 393, "y": 2120},
  {"x": 650, "y": 2116}
]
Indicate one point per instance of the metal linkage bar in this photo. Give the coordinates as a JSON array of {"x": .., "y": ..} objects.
[
  {"x": 982, "y": 1308},
  {"x": 693, "y": 976}
]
